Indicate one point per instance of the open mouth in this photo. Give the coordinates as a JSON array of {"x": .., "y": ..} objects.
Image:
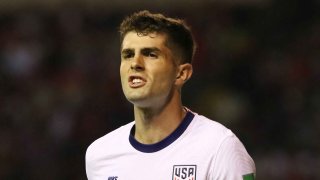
[{"x": 136, "y": 81}]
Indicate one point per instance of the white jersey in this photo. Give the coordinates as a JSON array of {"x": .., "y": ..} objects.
[{"x": 199, "y": 149}]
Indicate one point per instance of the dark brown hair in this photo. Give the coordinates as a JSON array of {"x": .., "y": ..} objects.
[{"x": 179, "y": 34}]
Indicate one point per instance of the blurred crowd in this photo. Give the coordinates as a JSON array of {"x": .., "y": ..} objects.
[{"x": 257, "y": 71}]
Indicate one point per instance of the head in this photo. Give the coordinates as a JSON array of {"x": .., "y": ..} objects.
[
  {"x": 156, "y": 56},
  {"x": 179, "y": 36}
]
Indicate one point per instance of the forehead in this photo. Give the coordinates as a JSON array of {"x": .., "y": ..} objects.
[{"x": 135, "y": 40}]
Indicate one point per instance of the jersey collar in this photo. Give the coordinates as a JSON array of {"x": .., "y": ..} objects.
[{"x": 151, "y": 148}]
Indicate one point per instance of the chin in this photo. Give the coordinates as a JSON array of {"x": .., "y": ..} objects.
[
  {"x": 147, "y": 103},
  {"x": 137, "y": 101},
  {"x": 141, "y": 104}
]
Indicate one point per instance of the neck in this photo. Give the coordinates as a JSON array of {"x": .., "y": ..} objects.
[{"x": 155, "y": 124}]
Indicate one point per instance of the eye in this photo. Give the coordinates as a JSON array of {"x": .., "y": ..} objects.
[
  {"x": 127, "y": 55},
  {"x": 153, "y": 55},
  {"x": 150, "y": 54}
]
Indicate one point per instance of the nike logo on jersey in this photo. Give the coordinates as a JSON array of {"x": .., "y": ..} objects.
[
  {"x": 113, "y": 178},
  {"x": 184, "y": 172}
]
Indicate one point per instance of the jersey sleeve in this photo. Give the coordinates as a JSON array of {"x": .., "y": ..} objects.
[
  {"x": 232, "y": 161},
  {"x": 88, "y": 163}
]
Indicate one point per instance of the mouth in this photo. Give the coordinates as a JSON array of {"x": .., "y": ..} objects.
[{"x": 136, "y": 81}]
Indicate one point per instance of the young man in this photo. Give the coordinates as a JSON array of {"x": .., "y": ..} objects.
[{"x": 166, "y": 140}]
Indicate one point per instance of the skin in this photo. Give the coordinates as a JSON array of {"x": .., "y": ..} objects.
[{"x": 156, "y": 96}]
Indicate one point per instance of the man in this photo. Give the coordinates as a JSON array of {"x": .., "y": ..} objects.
[{"x": 166, "y": 140}]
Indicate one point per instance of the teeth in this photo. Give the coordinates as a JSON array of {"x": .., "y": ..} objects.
[{"x": 136, "y": 80}]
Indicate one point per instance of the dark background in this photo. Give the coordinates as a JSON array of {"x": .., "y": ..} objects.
[{"x": 257, "y": 71}]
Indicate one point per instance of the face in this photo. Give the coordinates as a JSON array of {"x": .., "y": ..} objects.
[{"x": 147, "y": 69}]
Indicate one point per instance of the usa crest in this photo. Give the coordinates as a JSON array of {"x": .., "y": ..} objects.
[{"x": 184, "y": 172}]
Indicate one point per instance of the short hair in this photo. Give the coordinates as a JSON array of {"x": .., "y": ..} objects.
[{"x": 178, "y": 32}]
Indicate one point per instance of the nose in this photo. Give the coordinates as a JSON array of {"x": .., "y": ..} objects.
[{"x": 137, "y": 63}]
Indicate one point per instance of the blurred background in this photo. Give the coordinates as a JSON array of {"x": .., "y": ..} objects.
[{"x": 257, "y": 71}]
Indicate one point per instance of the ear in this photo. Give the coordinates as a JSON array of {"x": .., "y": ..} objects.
[{"x": 183, "y": 74}]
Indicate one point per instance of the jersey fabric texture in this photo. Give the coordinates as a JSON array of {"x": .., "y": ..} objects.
[{"x": 199, "y": 149}]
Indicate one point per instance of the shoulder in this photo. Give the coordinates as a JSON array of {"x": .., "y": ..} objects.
[
  {"x": 108, "y": 141},
  {"x": 207, "y": 134},
  {"x": 210, "y": 128},
  {"x": 106, "y": 148},
  {"x": 231, "y": 159}
]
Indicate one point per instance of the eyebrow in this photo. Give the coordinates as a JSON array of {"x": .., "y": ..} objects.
[
  {"x": 147, "y": 49},
  {"x": 126, "y": 51},
  {"x": 151, "y": 49}
]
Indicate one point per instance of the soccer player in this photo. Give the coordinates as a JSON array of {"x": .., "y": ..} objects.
[{"x": 166, "y": 140}]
